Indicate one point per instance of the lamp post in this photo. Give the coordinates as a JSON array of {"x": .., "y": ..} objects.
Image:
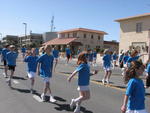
[{"x": 25, "y": 24}]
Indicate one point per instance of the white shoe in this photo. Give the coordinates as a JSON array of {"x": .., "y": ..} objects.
[
  {"x": 4, "y": 75},
  {"x": 103, "y": 81},
  {"x": 72, "y": 104},
  {"x": 52, "y": 100},
  {"x": 43, "y": 97},
  {"x": 107, "y": 81},
  {"x": 77, "y": 110}
]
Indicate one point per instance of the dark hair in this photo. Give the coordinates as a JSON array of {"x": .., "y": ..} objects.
[
  {"x": 133, "y": 53},
  {"x": 131, "y": 72},
  {"x": 82, "y": 58}
]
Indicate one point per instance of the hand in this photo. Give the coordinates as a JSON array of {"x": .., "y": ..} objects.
[
  {"x": 123, "y": 108},
  {"x": 69, "y": 79}
]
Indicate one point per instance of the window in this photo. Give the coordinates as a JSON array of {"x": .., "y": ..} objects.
[
  {"x": 84, "y": 35},
  {"x": 99, "y": 37},
  {"x": 91, "y": 36},
  {"x": 139, "y": 27},
  {"x": 74, "y": 34},
  {"x": 62, "y": 35},
  {"x": 68, "y": 35}
]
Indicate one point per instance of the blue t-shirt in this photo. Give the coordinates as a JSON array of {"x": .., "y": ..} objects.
[
  {"x": 55, "y": 53},
  {"x": 90, "y": 57},
  {"x": 107, "y": 60},
  {"x": 95, "y": 54},
  {"x": 46, "y": 65},
  {"x": 125, "y": 59},
  {"x": 11, "y": 58},
  {"x": 121, "y": 57},
  {"x": 68, "y": 51},
  {"x": 131, "y": 59},
  {"x": 37, "y": 51},
  {"x": 4, "y": 52},
  {"x": 114, "y": 56},
  {"x": 148, "y": 69},
  {"x": 78, "y": 52},
  {"x": 31, "y": 63},
  {"x": 23, "y": 50},
  {"x": 83, "y": 74},
  {"x": 136, "y": 92}
]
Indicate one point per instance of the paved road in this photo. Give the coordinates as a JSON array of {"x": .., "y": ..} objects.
[{"x": 104, "y": 99}]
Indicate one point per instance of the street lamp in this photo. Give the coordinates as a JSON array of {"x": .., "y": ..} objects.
[{"x": 25, "y": 24}]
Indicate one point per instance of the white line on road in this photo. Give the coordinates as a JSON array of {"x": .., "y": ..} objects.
[
  {"x": 37, "y": 98},
  {"x": 15, "y": 82}
]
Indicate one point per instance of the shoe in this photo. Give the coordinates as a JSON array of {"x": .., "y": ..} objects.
[
  {"x": 77, "y": 110},
  {"x": 52, "y": 100},
  {"x": 72, "y": 104},
  {"x": 5, "y": 76},
  {"x": 103, "y": 81},
  {"x": 107, "y": 81},
  {"x": 43, "y": 97},
  {"x": 9, "y": 82},
  {"x": 31, "y": 91}
]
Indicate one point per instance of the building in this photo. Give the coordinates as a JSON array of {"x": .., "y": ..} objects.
[
  {"x": 79, "y": 38},
  {"x": 47, "y": 36},
  {"x": 32, "y": 40},
  {"x": 135, "y": 33},
  {"x": 111, "y": 45},
  {"x": 10, "y": 39}
]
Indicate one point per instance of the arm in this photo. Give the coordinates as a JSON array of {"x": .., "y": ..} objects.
[
  {"x": 124, "y": 106},
  {"x": 72, "y": 75},
  {"x": 38, "y": 69}
]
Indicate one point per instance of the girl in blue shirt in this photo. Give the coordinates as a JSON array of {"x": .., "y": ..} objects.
[
  {"x": 68, "y": 53},
  {"x": 11, "y": 62},
  {"x": 55, "y": 53},
  {"x": 83, "y": 71},
  {"x": 31, "y": 58},
  {"x": 148, "y": 74},
  {"x": 107, "y": 66},
  {"x": 134, "y": 100},
  {"x": 114, "y": 57},
  {"x": 45, "y": 69}
]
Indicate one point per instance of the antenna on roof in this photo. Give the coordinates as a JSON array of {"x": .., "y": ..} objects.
[{"x": 52, "y": 24}]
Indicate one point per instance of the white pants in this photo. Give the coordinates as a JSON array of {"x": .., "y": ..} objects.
[
  {"x": 136, "y": 111},
  {"x": 31, "y": 74}
]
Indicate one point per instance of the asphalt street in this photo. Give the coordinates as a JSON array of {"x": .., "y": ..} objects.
[{"x": 104, "y": 98}]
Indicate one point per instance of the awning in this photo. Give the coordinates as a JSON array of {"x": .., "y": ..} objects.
[{"x": 61, "y": 41}]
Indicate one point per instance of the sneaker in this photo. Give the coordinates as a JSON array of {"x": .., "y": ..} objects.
[
  {"x": 77, "y": 110},
  {"x": 31, "y": 91},
  {"x": 9, "y": 82},
  {"x": 5, "y": 76},
  {"x": 43, "y": 97},
  {"x": 107, "y": 81},
  {"x": 52, "y": 100},
  {"x": 72, "y": 104},
  {"x": 103, "y": 81}
]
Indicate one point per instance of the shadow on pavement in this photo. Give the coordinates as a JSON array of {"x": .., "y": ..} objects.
[
  {"x": 66, "y": 107},
  {"x": 21, "y": 90},
  {"x": 66, "y": 72},
  {"x": 99, "y": 81},
  {"x": 18, "y": 78}
]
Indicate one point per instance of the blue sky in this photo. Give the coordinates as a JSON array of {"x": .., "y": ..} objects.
[{"x": 92, "y": 14}]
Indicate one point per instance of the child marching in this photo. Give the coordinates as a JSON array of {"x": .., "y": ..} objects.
[
  {"x": 11, "y": 62},
  {"x": 31, "y": 58},
  {"x": 45, "y": 69},
  {"x": 55, "y": 53}
]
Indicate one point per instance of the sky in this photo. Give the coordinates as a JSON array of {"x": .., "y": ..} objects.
[{"x": 68, "y": 14}]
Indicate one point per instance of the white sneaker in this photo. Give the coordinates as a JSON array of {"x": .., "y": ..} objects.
[
  {"x": 52, "y": 99},
  {"x": 103, "y": 81},
  {"x": 72, "y": 104},
  {"x": 107, "y": 81},
  {"x": 77, "y": 110},
  {"x": 43, "y": 97},
  {"x": 4, "y": 75}
]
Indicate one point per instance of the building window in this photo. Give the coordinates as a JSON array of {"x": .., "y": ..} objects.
[
  {"x": 91, "y": 36},
  {"x": 99, "y": 37},
  {"x": 62, "y": 35},
  {"x": 68, "y": 35},
  {"x": 139, "y": 27},
  {"x": 84, "y": 35},
  {"x": 75, "y": 35}
]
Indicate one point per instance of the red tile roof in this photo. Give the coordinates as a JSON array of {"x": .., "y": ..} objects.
[
  {"x": 60, "y": 41},
  {"x": 132, "y": 17},
  {"x": 83, "y": 29}
]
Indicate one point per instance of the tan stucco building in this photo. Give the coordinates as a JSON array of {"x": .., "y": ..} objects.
[
  {"x": 79, "y": 38},
  {"x": 135, "y": 33}
]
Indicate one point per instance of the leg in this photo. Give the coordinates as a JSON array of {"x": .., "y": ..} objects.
[
  {"x": 109, "y": 74},
  {"x": 56, "y": 61}
]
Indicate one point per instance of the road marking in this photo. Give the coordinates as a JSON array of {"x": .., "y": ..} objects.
[
  {"x": 15, "y": 82},
  {"x": 37, "y": 98}
]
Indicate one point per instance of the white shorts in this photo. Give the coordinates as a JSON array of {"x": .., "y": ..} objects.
[
  {"x": 107, "y": 68},
  {"x": 136, "y": 111},
  {"x": 94, "y": 58},
  {"x": 31, "y": 74},
  {"x": 114, "y": 60},
  {"x": 46, "y": 79},
  {"x": 83, "y": 88}
]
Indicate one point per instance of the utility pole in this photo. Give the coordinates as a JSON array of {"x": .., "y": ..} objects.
[
  {"x": 25, "y": 24},
  {"x": 52, "y": 24}
]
